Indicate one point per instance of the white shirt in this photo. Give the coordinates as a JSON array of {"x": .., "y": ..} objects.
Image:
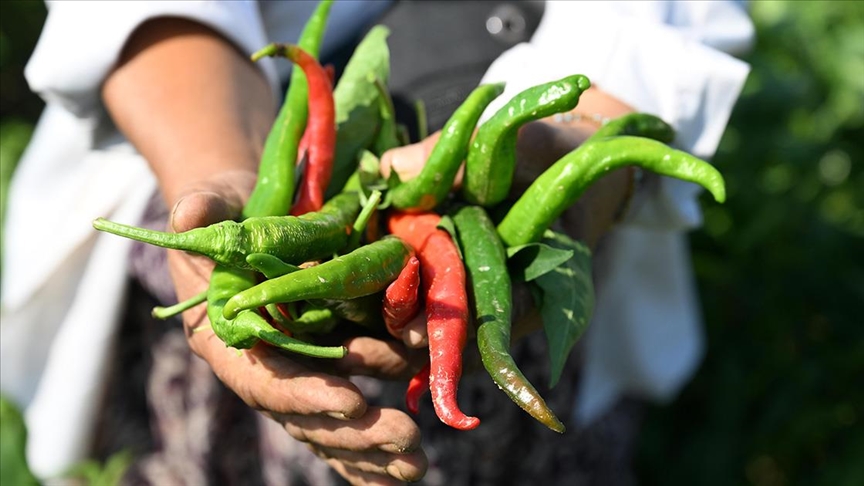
[{"x": 64, "y": 283}]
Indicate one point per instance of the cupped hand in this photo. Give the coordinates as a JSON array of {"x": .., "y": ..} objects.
[
  {"x": 539, "y": 145},
  {"x": 366, "y": 445}
]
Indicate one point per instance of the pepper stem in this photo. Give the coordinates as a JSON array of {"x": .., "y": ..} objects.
[
  {"x": 171, "y": 311},
  {"x": 271, "y": 335}
]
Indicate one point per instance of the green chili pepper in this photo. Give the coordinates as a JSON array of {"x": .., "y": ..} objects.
[
  {"x": 432, "y": 185},
  {"x": 492, "y": 156},
  {"x": 486, "y": 264},
  {"x": 637, "y": 124},
  {"x": 274, "y": 190},
  {"x": 270, "y": 265},
  {"x": 365, "y": 311},
  {"x": 364, "y": 271},
  {"x": 315, "y": 320},
  {"x": 560, "y": 185},
  {"x": 293, "y": 239},
  {"x": 248, "y": 327}
]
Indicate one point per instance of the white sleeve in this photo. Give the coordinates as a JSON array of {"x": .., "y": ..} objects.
[
  {"x": 81, "y": 42},
  {"x": 671, "y": 59},
  {"x": 633, "y": 51}
]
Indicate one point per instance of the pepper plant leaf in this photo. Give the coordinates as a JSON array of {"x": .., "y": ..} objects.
[
  {"x": 527, "y": 262},
  {"x": 13, "y": 445},
  {"x": 358, "y": 112},
  {"x": 566, "y": 301}
]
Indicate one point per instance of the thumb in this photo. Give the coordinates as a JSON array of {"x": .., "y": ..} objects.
[
  {"x": 212, "y": 200},
  {"x": 407, "y": 161}
]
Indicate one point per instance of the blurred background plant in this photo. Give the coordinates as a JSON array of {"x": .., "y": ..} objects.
[{"x": 778, "y": 400}]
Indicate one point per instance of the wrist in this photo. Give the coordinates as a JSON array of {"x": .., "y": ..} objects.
[{"x": 607, "y": 201}]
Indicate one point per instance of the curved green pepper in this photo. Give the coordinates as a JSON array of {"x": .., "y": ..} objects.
[
  {"x": 636, "y": 124},
  {"x": 560, "y": 185},
  {"x": 486, "y": 264},
  {"x": 364, "y": 271},
  {"x": 432, "y": 185},
  {"x": 492, "y": 156},
  {"x": 248, "y": 327}
]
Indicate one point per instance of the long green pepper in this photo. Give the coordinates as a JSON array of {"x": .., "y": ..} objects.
[
  {"x": 366, "y": 270},
  {"x": 431, "y": 186},
  {"x": 292, "y": 239},
  {"x": 486, "y": 264},
  {"x": 636, "y": 124},
  {"x": 562, "y": 184},
  {"x": 491, "y": 158}
]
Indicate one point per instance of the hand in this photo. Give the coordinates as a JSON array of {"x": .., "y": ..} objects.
[
  {"x": 194, "y": 105},
  {"x": 365, "y": 445},
  {"x": 539, "y": 145}
]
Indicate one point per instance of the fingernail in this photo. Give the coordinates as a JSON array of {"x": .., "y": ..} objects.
[
  {"x": 393, "y": 470},
  {"x": 416, "y": 339},
  {"x": 338, "y": 415},
  {"x": 396, "y": 449},
  {"x": 407, "y": 160},
  {"x": 174, "y": 212}
]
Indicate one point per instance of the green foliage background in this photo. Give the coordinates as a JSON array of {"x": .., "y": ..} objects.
[
  {"x": 778, "y": 399},
  {"x": 780, "y": 267}
]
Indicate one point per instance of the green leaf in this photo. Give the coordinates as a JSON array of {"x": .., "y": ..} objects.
[
  {"x": 527, "y": 262},
  {"x": 108, "y": 473},
  {"x": 567, "y": 301},
  {"x": 358, "y": 113},
  {"x": 388, "y": 133},
  {"x": 13, "y": 444}
]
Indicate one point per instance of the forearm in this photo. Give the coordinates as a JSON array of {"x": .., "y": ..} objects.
[{"x": 190, "y": 103}]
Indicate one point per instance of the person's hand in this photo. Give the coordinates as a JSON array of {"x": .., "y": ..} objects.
[
  {"x": 539, "y": 145},
  {"x": 198, "y": 111},
  {"x": 365, "y": 445}
]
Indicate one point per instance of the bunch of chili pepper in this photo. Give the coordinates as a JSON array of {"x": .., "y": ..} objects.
[{"x": 296, "y": 266}]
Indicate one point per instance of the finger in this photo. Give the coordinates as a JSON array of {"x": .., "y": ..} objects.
[
  {"x": 201, "y": 209},
  {"x": 383, "y": 359},
  {"x": 357, "y": 477},
  {"x": 270, "y": 381},
  {"x": 403, "y": 467},
  {"x": 190, "y": 274},
  {"x": 383, "y": 429},
  {"x": 407, "y": 161},
  {"x": 210, "y": 201}
]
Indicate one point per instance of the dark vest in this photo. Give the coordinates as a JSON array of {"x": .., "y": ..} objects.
[{"x": 439, "y": 50}]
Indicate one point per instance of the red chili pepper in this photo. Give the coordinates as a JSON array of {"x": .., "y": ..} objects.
[
  {"x": 417, "y": 387},
  {"x": 401, "y": 301},
  {"x": 413, "y": 228},
  {"x": 443, "y": 278},
  {"x": 303, "y": 146},
  {"x": 320, "y": 131}
]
